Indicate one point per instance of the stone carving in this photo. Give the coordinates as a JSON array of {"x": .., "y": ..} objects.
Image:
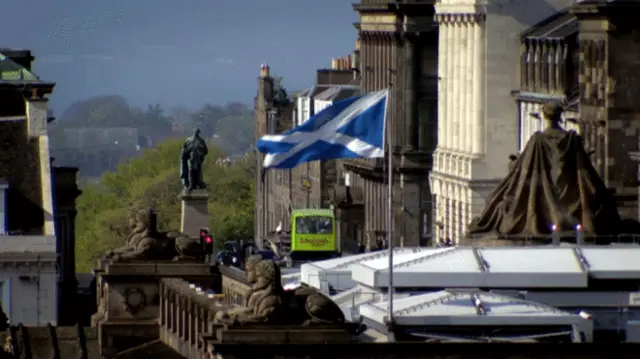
[
  {"x": 228, "y": 315},
  {"x": 306, "y": 305},
  {"x": 134, "y": 300},
  {"x": 145, "y": 242},
  {"x": 267, "y": 302},
  {"x": 192, "y": 157},
  {"x": 551, "y": 183},
  {"x": 264, "y": 300}
]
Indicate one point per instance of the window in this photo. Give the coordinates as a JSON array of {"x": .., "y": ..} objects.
[{"x": 314, "y": 225}]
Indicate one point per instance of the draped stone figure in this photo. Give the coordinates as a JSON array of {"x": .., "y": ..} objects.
[
  {"x": 551, "y": 182},
  {"x": 192, "y": 157}
]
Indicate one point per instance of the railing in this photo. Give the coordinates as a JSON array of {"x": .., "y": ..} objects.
[{"x": 186, "y": 313}]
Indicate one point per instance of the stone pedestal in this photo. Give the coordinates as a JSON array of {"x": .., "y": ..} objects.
[
  {"x": 129, "y": 299},
  {"x": 195, "y": 213}
]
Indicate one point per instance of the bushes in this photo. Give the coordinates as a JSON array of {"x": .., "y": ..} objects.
[{"x": 152, "y": 180}]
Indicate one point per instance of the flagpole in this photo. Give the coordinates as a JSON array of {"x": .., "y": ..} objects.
[{"x": 390, "y": 204}]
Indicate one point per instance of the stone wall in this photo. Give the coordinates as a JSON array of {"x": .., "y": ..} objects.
[{"x": 24, "y": 199}]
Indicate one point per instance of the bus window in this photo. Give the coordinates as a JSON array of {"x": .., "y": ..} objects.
[{"x": 314, "y": 225}]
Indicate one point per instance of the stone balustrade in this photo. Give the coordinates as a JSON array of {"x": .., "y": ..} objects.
[{"x": 186, "y": 313}]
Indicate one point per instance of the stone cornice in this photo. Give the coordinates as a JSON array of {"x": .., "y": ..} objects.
[{"x": 460, "y": 9}]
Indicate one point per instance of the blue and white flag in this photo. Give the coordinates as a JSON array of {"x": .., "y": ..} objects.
[{"x": 352, "y": 128}]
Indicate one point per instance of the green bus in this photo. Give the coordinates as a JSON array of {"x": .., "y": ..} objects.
[{"x": 313, "y": 230}]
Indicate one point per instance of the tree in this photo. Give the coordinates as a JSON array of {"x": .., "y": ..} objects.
[
  {"x": 280, "y": 96},
  {"x": 152, "y": 180}
]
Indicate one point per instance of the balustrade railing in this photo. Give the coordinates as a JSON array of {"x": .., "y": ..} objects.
[{"x": 186, "y": 313}]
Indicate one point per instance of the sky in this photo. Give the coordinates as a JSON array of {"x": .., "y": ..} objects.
[{"x": 176, "y": 52}]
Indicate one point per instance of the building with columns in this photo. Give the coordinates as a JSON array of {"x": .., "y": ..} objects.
[
  {"x": 398, "y": 48},
  {"x": 478, "y": 61}
]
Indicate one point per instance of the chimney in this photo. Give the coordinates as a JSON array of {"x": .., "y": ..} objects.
[
  {"x": 347, "y": 62},
  {"x": 334, "y": 63},
  {"x": 264, "y": 70}
]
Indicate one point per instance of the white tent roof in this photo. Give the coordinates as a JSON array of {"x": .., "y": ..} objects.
[
  {"x": 612, "y": 262},
  {"x": 502, "y": 267},
  {"x": 337, "y": 272},
  {"x": 447, "y": 308}
]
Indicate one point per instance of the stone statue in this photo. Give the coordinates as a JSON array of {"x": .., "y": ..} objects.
[
  {"x": 552, "y": 182},
  {"x": 267, "y": 302},
  {"x": 264, "y": 300},
  {"x": 228, "y": 315},
  {"x": 192, "y": 157},
  {"x": 306, "y": 305},
  {"x": 145, "y": 242}
]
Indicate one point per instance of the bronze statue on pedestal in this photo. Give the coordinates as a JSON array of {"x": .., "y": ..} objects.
[{"x": 192, "y": 157}]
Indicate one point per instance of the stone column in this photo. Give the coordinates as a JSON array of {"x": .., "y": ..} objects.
[
  {"x": 195, "y": 213},
  {"x": 411, "y": 58}
]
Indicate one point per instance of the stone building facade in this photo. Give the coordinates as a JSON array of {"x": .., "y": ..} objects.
[
  {"x": 609, "y": 43},
  {"x": 549, "y": 61},
  {"x": 309, "y": 185},
  {"x": 478, "y": 69},
  {"x": 398, "y": 49},
  {"x": 38, "y": 207}
]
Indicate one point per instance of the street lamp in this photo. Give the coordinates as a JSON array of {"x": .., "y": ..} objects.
[
  {"x": 579, "y": 234},
  {"x": 555, "y": 237}
]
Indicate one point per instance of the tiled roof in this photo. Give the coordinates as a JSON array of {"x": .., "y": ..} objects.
[{"x": 12, "y": 71}]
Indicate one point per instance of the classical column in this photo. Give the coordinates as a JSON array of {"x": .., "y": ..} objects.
[
  {"x": 412, "y": 129},
  {"x": 468, "y": 73},
  {"x": 479, "y": 85},
  {"x": 448, "y": 73},
  {"x": 456, "y": 83},
  {"x": 442, "y": 83}
]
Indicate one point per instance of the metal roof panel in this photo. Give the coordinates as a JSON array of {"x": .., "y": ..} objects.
[{"x": 458, "y": 308}]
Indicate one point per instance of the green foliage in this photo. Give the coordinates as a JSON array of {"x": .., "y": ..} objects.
[
  {"x": 280, "y": 95},
  {"x": 152, "y": 180}
]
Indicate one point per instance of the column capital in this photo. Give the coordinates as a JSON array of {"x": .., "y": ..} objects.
[{"x": 460, "y": 17}]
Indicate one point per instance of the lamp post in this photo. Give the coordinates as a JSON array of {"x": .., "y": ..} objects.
[
  {"x": 555, "y": 237},
  {"x": 579, "y": 234}
]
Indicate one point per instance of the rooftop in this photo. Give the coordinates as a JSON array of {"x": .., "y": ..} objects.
[
  {"x": 556, "y": 27},
  {"x": 337, "y": 272},
  {"x": 12, "y": 71},
  {"x": 338, "y": 93},
  {"x": 502, "y": 267},
  {"x": 446, "y": 308}
]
